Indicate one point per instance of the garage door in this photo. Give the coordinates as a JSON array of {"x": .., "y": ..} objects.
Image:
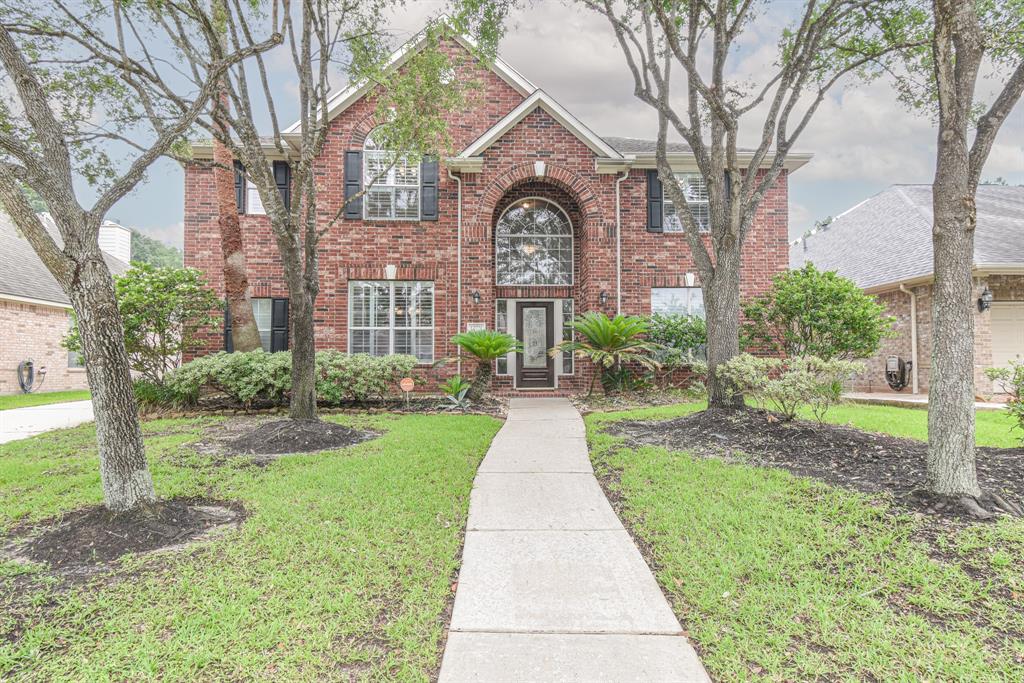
[{"x": 1007, "y": 332}]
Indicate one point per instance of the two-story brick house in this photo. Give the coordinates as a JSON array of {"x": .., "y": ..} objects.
[{"x": 535, "y": 219}]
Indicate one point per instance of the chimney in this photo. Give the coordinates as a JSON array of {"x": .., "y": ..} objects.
[{"x": 116, "y": 240}]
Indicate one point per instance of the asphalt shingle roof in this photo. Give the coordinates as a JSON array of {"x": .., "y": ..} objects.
[
  {"x": 888, "y": 238},
  {"x": 638, "y": 146},
  {"x": 23, "y": 274}
]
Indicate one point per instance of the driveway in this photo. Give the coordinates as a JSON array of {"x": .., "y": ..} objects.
[
  {"x": 552, "y": 587},
  {"x": 21, "y": 423}
]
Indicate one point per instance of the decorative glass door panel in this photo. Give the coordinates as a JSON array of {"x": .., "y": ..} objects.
[{"x": 535, "y": 326}]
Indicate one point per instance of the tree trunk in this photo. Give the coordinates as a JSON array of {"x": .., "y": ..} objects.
[
  {"x": 481, "y": 381},
  {"x": 722, "y": 310},
  {"x": 245, "y": 336},
  {"x": 124, "y": 474},
  {"x": 951, "y": 465},
  {"x": 303, "y": 399}
]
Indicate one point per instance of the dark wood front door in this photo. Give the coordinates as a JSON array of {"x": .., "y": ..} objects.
[{"x": 535, "y": 325}]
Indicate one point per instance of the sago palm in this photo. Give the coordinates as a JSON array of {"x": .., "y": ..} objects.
[
  {"x": 486, "y": 346},
  {"x": 609, "y": 342}
]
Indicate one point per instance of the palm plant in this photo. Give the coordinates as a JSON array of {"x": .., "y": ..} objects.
[
  {"x": 486, "y": 346},
  {"x": 609, "y": 342}
]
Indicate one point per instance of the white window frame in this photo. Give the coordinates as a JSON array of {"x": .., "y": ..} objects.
[
  {"x": 253, "y": 208},
  {"x": 689, "y": 301},
  {"x": 391, "y": 316},
  {"x": 266, "y": 333},
  {"x": 572, "y": 246},
  {"x": 675, "y": 225},
  {"x": 502, "y": 366},
  {"x": 390, "y": 181}
]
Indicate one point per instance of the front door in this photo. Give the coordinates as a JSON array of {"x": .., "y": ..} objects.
[{"x": 535, "y": 322}]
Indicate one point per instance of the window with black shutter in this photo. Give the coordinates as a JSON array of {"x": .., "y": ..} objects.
[
  {"x": 229, "y": 345},
  {"x": 279, "y": 325},
  {"x": 428, "y": 189},
  {"x": 353, "y": 184},
  {"x": 654, "y": 202},
  {"x": 283, "y": 179},
  {"x": 240, "y": 186}
]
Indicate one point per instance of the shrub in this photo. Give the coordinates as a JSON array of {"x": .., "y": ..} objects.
[
  {"x": 259, "y": 377},
  {"x": 486, "y": 346},
  {"x": 1011, "y": 380},
  {"x": 682, "y": 340},
  {"x": 455, "y": 390},
  {"x": 609, "y": 343},
  {"x": 163, "y": 309},
  {"x": 810, "y": 313},
  {"x": 151, "y": 394},
  {"x": 786, "y": 384}
]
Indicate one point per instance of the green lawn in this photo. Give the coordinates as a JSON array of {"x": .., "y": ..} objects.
[
  {"x": 781, "y": 578},
  {"x": 41, "y": 398},
  {"x": 342, "y": 571}
]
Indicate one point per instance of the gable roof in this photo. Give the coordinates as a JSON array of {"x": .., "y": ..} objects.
[
  {"x": 540, "y": 100},
  {"x": 23, "y": 275},
  {"x": 887, "y": 239},
  {"x": 343, "y": 99}
]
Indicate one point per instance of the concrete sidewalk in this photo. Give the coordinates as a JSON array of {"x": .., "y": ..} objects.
[
  {"x": 552, "y": 587},
  {"x": 20, "y": 423}
]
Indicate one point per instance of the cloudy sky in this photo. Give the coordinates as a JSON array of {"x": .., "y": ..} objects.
[{"x": 863, "y": 140}]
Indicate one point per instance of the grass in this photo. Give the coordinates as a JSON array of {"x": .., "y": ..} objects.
[
  {"x": 41, "y": 398},
  {"x": 781, "y": 578},
  {"x": 342, "y": 571}
]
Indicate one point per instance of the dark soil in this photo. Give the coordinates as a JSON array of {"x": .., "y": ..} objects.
[
  {"x": 842, "y": 456},
  {"x": 296, "y": 436},
  {"x": 91, "y": 538}
]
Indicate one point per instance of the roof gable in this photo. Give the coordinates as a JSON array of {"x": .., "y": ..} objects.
[
  {"x": 540, "y": 100},
  {"x": 343, "y": 99}
]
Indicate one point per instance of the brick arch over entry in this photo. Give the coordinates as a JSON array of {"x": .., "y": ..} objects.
[{"x": 562, "y": 178}]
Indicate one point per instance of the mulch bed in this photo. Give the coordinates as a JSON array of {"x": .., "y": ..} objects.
[
  {"x": 296, "y": 436},
  {"x": 92, "y": 538},
  {"x": 839, "y": 455}
]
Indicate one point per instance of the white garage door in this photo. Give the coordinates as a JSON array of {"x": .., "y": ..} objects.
[{"x": 1007, "y": 332}]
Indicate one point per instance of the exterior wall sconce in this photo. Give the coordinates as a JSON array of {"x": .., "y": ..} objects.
[
  {"x": 691, "y": 278},
  {"x": 539, "y": 168},
  {"x": 985, "y": 300},
  {"x": 603, "y": 297},
  {"x": 476, "y": 297},
  {"x": 390, "y": 271}
]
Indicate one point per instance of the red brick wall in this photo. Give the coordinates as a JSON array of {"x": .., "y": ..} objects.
[
  {"x": 427, "y": 250},
  {"x": 29, "y": 331}
]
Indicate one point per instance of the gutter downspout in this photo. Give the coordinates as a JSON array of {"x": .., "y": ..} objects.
[
  {"x": 458, "y": 269},
  {"x": 913, "y": 333},
  {"x": 618, "y": 242}
]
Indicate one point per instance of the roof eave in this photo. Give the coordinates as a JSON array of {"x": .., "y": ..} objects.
[{"x": 687, "y": 161}]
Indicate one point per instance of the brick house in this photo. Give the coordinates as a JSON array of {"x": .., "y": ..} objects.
[
  {"x": 35, "y": 314},
  {"x": 884, "y": 244},
  {"x": 534, "y": 219}
]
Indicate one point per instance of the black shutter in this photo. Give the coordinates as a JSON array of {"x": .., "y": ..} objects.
[
  {"x": 728, "y": 188},
  {"x": 279, "y": 325},
  {"x": 353, "y": 184},
  {"x": 283, "y": 178},
  {"x": 229, "y": 344},
  {"x": 428, "y": 189},
  {"x": 655, "y": 200},
  {"x": 240, "y": 186}
]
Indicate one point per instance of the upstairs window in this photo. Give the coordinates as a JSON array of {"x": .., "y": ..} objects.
[
  {"x": 695, "y": 189},
  {"x": 392, "y": 181},
  {"x": 533, "y": 243}
]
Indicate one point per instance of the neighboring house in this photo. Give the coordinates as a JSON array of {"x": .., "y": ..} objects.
[
  {"x": 35, "y": 314},
  {"x": 884, "y": 244},
  {"x": 532, "y": 220}
]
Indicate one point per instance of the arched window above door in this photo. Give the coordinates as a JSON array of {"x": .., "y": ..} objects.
[{"x": 533, "y": 244}]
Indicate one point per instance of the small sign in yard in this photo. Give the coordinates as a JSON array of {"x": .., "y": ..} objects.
[{"x": 407, "y": 384}]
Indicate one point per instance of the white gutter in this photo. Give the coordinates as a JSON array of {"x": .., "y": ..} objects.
[
  {"x": 458, "y": 269},
  {"x": 618, "y": 242},
  {"x": 913, "y": 334}
]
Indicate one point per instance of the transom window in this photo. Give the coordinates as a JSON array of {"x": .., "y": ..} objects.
[
  {"x": 533, "y": 243},
  {"x": 392, "y": 181},
  {"x": 678, "y": 301},
  {"x": 695, "y": 189},
  {"x": 392, "y": 317}
]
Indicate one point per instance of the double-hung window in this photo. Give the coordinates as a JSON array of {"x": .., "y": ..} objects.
[
  {"x": 387, "y": 317},
  {"x": 695, "y": 189},
  {"x": 392, "y": 180},
  {"x": 678, "y": 301}
]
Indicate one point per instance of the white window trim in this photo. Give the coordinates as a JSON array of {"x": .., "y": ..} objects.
[
  {"x": 250, "y": 189},
  {"x": 689, "y": 303},
  {"x": 572, "y": 246},
  {"x": 666, "y": 201},
  {"x": 391, "y": 316},
  {"x": 379, "y": 185}
]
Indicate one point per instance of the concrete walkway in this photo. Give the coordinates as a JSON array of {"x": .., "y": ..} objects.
[
  {"x": 552, "y": 587},
  {"x": 890, "y": 398},
  {"x": 20, "y": 423}
]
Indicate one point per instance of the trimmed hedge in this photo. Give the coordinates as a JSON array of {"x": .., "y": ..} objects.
[{"x": 265, "y": 378}]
